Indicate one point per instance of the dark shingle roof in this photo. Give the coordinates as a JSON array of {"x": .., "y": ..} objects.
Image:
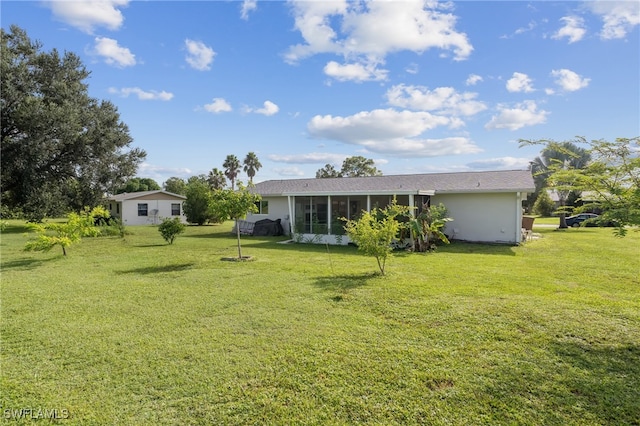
[
  {"x": 140, "y": 194},
  {"x": 496, "y": 181}
]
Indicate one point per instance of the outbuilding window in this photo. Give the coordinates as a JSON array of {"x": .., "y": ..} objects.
[
  {"x": 175, "y": 209},
  {"x": 143, "y": 209}
]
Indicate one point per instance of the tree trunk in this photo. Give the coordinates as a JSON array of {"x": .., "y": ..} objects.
[{"x": 238, "y": 234}]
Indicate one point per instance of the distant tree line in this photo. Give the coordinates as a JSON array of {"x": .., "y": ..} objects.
[{"x": 356, "y": 166}]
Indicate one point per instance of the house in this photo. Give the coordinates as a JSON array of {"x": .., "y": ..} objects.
[
  {"x": 146, "y": 207},
  {"x": 485, "y": 206}
]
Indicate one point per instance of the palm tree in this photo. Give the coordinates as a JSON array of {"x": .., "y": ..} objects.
[
  {"x": 216, "y": 179},
  {"x": 231, "y": 169},
  {"x": 251, "y": 165}
]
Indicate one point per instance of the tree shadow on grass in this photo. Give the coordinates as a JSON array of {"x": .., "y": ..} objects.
[
  {"x": 23, "y": 264},
  {"x": 599, "y": 383},
  {"x": 608, "y": 380},
  {"x": 464, "y": 247},
  {"x": 343, "y": 283},
  {"x": 159, "y": 269}
]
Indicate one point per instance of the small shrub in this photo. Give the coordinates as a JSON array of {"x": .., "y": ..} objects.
[
  {"x": 544, "y": 205},
  {"x": 171, "y": 228}
]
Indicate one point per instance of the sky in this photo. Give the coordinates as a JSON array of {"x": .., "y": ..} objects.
[{"x": 417, "y": 86}]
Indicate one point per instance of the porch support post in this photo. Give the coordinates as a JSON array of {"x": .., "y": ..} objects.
[
  {"x": 518, "y": 230},
  {"x": 329, "y": 215},
  {"x": 291, "y": 212}
]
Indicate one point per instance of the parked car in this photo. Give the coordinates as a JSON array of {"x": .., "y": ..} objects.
[{"x": 577, "y": 220}]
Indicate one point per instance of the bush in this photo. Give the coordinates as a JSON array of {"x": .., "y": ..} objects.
[
  {"x": 544, "y": 206},
  {"x": 171, "y": 228}
]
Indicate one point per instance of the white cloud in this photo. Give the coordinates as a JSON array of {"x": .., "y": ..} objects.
[
  {"x": 310, "y": 158},
  {"x": 391, "y": 132},
  {"x": 573, "y": 29},
  {"x": 247, "y": 6},
  {"x": 373, "y": 29},
  {"x": 217, "y": 106},
  {"x": 569, "y": 81},
  {"x": 268, "y": 108},
  {"x": 289, "y": 171},
  {"x": 143, "y": 95},
  {"x": 199, "y": 55},
  {"x": 524, "y": 114},
  {"x": 619, "y": 17},
  {"x": 114, "y": 54},
  {"x": 356, "y": 72},
  {"x": 159, "y": 171},
  {"x": 501, "y": 163},
  {"x": 443, "y": 99},
  {"x": 89, "y": 14},
  {"x": 473, "y": 79},
  {"x": 412, "y": 68},
  {"x": 519, "y": 83}
]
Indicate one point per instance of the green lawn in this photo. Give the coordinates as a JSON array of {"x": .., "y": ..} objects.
[{"x": 135, "y": 331}]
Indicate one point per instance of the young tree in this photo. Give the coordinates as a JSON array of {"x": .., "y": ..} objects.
[
  {"x": 374, "y": 231},
  {"x": 231, "y": 169},
  {"x": 216, "y": 179},
  {"x": 175, "y": 185},
  {"x": 60, "y": 148},
  {"x": 171, "y": 228},
  {"x": 78, "y": 225},
  {"x": 235, "y": 205},
  {"x": 251, "y": 165}
]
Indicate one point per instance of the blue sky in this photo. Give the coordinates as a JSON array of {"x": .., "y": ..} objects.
[{"x": 418, "y": 86}]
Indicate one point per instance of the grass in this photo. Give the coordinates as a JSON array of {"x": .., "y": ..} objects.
[{"x": 136, "y": 331}]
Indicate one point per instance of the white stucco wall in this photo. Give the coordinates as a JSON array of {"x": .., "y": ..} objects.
[
  {"x": 278, "y": 209},
  {"x": 488, "y": 217},
  {"x": 129, "y": 211}
]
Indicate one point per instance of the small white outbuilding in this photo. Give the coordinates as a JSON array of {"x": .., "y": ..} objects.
[{"x": 146, "y": 207}]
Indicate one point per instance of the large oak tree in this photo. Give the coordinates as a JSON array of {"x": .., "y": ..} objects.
[{"x": 61, "y": 149}]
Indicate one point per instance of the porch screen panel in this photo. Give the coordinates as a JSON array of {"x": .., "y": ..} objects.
[
  {"x": 402, "y": 200},
  {"x": 312, "y": 214},
  {"x": 356, "y": 205},
  {"x": 320, "y": 217},
  {"x": 302, "y": 222},
  {"x": 380, "y": 201},
  {"x": 339, "y": 209}
]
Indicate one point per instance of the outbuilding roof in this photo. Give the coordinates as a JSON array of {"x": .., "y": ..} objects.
[
  {"x": 424, "y": 184},
  {"x": 144, "y": 194}
]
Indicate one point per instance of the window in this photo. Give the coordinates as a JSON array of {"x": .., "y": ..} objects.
[
  {"x": 263, "y": 207},
  {"x": 175, "y": 209},
  {"x": 143, "y": 209}
]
